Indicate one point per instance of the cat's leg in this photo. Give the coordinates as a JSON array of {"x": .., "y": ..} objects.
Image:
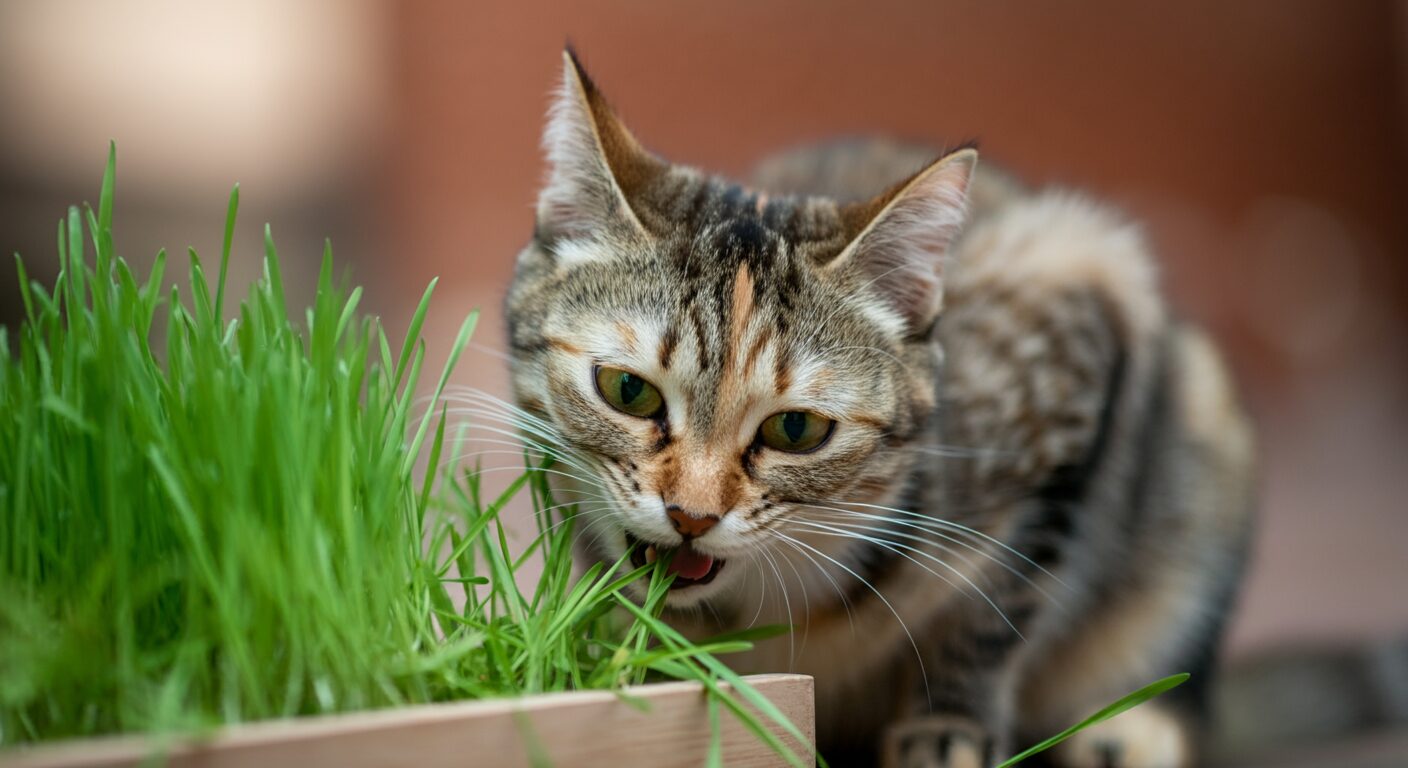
[
  {"x": 967, "y": 726},
  {"x": 1186, "y": 543},
  {"x": 961, "y": 709},
  {"x": 938, "y": 741},
  {"x": 1167, "y": 620},
  {"x": 1153, "y": 735}
]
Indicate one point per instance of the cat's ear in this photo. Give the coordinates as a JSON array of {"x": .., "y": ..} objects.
[
  {"x": 900, "y": 238},
  {"x": 595, "y": 165}
]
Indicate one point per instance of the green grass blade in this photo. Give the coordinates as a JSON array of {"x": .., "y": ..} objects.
[
  {"x": 1125, "y": 703},
  {"x": 274, "y": 273},
  {"x": 26, "y": 291},
  {"x": 715, "y": 756},
  {"x": 461, "y": 341},
  {"x": 105, "y": 196},
  {"x": 412, "y": 334},
  {"x": 231, "y": 213}
]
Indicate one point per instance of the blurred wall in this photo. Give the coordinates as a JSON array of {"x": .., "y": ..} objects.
[
  {"x": 1264, "y": 143},
  {"x": 284, "y": 98}
]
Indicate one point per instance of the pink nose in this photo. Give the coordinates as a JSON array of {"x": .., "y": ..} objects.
[{"x": 688, "y": 525}]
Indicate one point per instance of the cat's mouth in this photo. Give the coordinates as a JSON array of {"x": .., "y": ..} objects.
[{"x": 689, "y": 566}]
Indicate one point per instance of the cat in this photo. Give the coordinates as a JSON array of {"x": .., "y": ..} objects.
[{"x": 941, "y": 423}]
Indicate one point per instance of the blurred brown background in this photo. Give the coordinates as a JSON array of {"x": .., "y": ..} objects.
[{"x": 1265, "y": 144}]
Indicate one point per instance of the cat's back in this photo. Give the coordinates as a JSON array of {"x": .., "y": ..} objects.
[
  {"x": 1022, "y": 239},
  {"x": 856, "y": 169},
  {"x": 1044, "y": 288}
]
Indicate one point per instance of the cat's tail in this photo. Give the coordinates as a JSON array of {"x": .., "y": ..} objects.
[{"x": 1291, "y": 701}]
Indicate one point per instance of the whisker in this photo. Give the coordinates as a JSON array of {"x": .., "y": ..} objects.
[
  {"x": 896, "y": 547},
  {"x": 494, "y": 411},
  {"x": 949, "y": 524},
  {"x": 556, "y": 449},
  {"x": 582, "y": 512},
  {"x": 806, "y": 601},
  {"x": 917, "y": 656},
  {"x": 787, "y": 602},
  {"x": 526, "y": 445},
  {"x": 599, "y": 517},
  {"x": 938, "y": 533},
  {"x": 762, "y": 591},
  {"x": 469, "y": 394},
  {"x": 845, "y": 601},
  {"x": 546, "y": 470},
  {"x": 488, "y": 350},
  {"x": 844, "y": 517},
  {"x": 479, "y": 398}
]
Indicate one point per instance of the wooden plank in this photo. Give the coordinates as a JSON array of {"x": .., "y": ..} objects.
[{"x": 589, "y": 729}]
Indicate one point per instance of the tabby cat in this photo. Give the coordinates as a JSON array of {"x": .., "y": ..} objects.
[{"x": 946, "y": 428}]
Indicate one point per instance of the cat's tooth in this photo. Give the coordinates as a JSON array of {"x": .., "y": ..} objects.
[{"x": 650, "y": 554}]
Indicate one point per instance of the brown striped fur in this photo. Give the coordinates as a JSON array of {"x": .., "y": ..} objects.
[{"x": 1052, "y": 475}]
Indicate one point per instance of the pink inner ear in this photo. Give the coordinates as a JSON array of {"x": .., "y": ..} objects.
[
  {"x": 903, "y": 247},
  {"x": 576, "y": 198},
  {"x": 582, "y": 194}
]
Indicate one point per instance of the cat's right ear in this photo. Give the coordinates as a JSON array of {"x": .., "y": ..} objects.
[
  {"x": 900, "y": 239},
  {"x": 596, "y": 167}
]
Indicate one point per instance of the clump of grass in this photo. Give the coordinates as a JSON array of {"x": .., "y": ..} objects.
[{"x": 228, "y": 526}]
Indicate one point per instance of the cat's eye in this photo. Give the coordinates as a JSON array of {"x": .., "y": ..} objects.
[
  {"x": 628, "y": 393},
  {"x": 795, "y": 431}
]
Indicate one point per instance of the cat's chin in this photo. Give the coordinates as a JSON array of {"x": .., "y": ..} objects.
[{"x": 692, "y": 597}]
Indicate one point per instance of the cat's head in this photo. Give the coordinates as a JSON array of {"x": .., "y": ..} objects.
[{"x": 716, "y": 363}]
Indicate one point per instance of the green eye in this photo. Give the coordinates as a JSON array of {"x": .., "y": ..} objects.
[
  {"x": 795, "y": 431},
  {"x": 628, "y": 393}
]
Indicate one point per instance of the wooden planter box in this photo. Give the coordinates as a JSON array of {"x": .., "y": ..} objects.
[{"x": 592, "y": 728}]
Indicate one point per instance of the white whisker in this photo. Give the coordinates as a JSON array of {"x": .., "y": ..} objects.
[
  {"x": 949, "y": 524},
  {"x": 896, "y": 547},
  {"x": 840, "y": 594},
  {"x": 787, "y": 602},
  {"x": 938, "y": 533},
  {"x": 917, "y": 655}
]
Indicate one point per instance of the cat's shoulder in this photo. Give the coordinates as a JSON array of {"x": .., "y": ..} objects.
[
  {"x": 1053, "y": 245},
  {"x": 1020, "y": 241}
]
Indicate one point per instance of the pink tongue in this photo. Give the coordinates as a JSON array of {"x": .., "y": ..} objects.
[{"x": 689, "y": 564}]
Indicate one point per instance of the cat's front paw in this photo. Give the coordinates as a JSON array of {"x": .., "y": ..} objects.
[
  {"x": 937, "y": 741},
  {"x": 1143, "y": 737}
]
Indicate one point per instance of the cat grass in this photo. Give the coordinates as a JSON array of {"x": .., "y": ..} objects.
[
  {"x": 210, "y": 521},
  {"x": 255, "y": 518}
]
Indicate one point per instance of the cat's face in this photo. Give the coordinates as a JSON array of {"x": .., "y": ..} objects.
[{"x": 715, "y": 363}]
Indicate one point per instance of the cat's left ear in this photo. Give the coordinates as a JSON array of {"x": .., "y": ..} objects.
[
  {"x": 597, "y": 168},
  {"x": 901, "y": 237}
]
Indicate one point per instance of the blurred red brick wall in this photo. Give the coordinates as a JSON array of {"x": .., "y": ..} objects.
[{"x": 1189, "y": 111}]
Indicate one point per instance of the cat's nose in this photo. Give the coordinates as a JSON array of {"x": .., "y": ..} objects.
[{"x": 690, "y": 525}]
